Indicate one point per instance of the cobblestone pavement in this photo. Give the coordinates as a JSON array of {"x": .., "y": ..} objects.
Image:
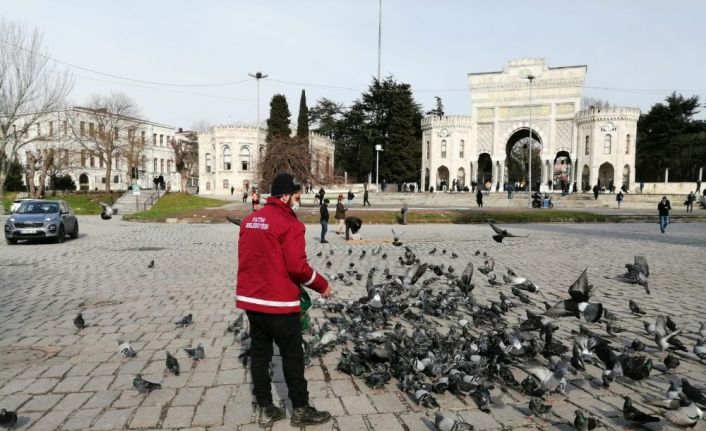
[{"x": 59, "y": 378}]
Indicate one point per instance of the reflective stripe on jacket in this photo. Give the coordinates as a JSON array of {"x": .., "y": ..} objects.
[{"x": 272, "y": 261}]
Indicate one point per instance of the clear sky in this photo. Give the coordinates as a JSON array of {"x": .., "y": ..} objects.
[{"x": 641, "y": 50}]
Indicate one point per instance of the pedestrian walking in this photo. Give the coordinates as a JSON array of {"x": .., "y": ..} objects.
[
  {"x": 321, "y": 195},
  {"x": 619, "y": 198},
  {"x": 255, "y": 200},
  {"x": 365, "y": 198},
  {"x": 323, "y": 211},
  {"x": 350, "y": 197},
  {"x": 596, "y": 189},
  {"x": 698, "y": 186},
  {"x": 404, "y": 210},
  {"x": 479, "y": 198},
  {"x": 642, "y": 186},
  {"x": 663, "y": 207},
  {"x": 245, "y": 196},
  {"x": 510, "y": 189},
  {"x": 340, "y": 214},
  {"x": 690, "y": 198},
  {"x": 269, "y": 292},
  {"x": 232, "y": 189}
]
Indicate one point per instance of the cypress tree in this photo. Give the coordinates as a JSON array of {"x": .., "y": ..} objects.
[
  {"x": 303, "y": 119},
  {"x": 278, "y": 123}
]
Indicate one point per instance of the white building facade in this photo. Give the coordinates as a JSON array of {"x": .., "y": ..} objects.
[
  {"x": 156, "y": 156},
  {"x": 574, "y": 145},
  {"x": 229, "y": 157}
]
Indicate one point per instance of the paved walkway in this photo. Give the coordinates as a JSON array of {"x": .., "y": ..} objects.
[{"x": 74, "y": 380}]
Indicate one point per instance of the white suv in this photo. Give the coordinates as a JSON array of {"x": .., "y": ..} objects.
[{"x": 16, "y": 204}]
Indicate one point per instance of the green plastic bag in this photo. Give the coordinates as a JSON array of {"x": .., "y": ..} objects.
[{"x": 305, "y": 305}]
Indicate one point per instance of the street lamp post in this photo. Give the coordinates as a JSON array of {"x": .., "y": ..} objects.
[
  {"x": 258, "y": 76},
  {"x": 531, "y": 78},
  {"x": 378, "y": 148}
]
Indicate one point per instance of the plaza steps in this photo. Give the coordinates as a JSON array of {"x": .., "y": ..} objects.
[
  {"x": 130, "y": 204},
  {"x": 499, "y": 199}
]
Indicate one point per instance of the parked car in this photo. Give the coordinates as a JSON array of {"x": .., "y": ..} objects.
[
  {"x": 16, "y": 204},
  {"x": 40, "y": 219}
]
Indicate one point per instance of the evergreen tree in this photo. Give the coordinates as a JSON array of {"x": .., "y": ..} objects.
[
  {"x": 327, "y": 118},
  {"x": 439, "y": 110},
  {"x": 278, "y": 123},
  {"x": 303, "y": 118}
]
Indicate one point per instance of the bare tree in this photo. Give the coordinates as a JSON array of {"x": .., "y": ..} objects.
[
  {"x": 290, "y": 155},
  {"x": 594, "y": 102},
  {"x": 106, "y": 128},
  {"x": 201, "y": 126},
  {"x": 186, "y": 156},
  {"x": 30, "y": 87}
]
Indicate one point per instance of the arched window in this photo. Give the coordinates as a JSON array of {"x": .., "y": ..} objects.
[
  {"x": 627, "y": 144},
  {"x": 208, "y": 185},
  {"x": 462, "y": 148},
  {"x": 588, "y": 146},
  {"x": 443, "y": 149},
  {"x": 428, "y": 150},
  {"x": 226, "y": 184},
  {"x": 116, "y": 179},
  {"x": 208, "y": 163},
  {"x": 245, "y": 159},
  {"x": 607, "y": 143},
  {"x": 226, "y": 158}
]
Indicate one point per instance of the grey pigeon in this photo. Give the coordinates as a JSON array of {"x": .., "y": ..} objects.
[
  {"x": 666, "y": 340},
  {"x": 185, "y": 321},
  {"x": 582, "y": 423},
  {"x": 500, "y": 234},
  {"x": 687, "y": 415},
  {"x": 635, "y": 308},
  {"x": 79, "y": 322},
  {"x": 151, "y": 264},
  {"x": 670, "y": 402},
  {"x": 172, "y": 364},
  {"x": 126, "y": 349},
  {"x": 143, "y": 386},
  {"x": 700, "y": 349},
  {"x": 237, "y": 325},
  {"x": 197, "y": 353},
  {"x": 107, "y": 212},
  {"x": 447, "y": 423},
  {"x": 635, "y": 416},
  {"x": 538, "y": 408}
]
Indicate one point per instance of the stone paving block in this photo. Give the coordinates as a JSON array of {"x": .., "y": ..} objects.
[
  {"x": 178, "y": 417},
  {"x": 238, "y": 414},
  {"x": 208, "y": 414},
  {"x": 146, "y": 417},
  {"x": 100, "y": 383},
  {"x": 199, "y": 379},
  {"x": 15, "y": 385},
  {"x": 384, "y": 421},
  {"x": 418, "y": 421},
  {"x": 218, "y": 395},
  {"x": 188, "y": 397},
  {"x": 13, "y": 402},
  {"x": 388, "y": 402},
  {"x": 332, "y": 405},
  {"x": 479, "y": 419},
  {"x": 41, "y": 386},
  {"x": 112, "y": 419},
  {"x": 101, "y": 399},
  {"x": 50, "y": 421},
  {"x": 357, "y": 404},
  {"x": 159, "y": 398},
  {"x": 342, "y": 388},
  {"x": 73, "y": 401},
  {"x": 351, "y": 423},
  {"x": 70, "y": 384},
  {"x": 130, "y": 398},
  {"x": 42, "y": 403}
]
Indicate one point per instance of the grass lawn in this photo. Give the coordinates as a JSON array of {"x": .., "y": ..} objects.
[
  {"x": 80, "y": 202},
  {"x": 175, "y": 205}
]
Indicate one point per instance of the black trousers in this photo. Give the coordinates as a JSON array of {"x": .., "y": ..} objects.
[{"x": 285, "y": 331}]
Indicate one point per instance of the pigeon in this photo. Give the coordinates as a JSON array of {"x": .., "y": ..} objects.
[
  {"x": 185, "y": 321},
  {"x": 686, "y": 415},
  {"x": 453, "y": 255},
  {"x": 328, "y": 264},
  {"x": 635, "y": 416},
  {"x": 236, "y": 325},
  {"x": 235, "y": 221},
  {"x": 537, "y": 407},
  {"x": 488, "y": 266},
  {"x": 635, "y": 308},
  {"x": 446, "y": 423},
  {"x": 433, "y": 250},
  {"x": 197, "y": 353},
  {"x": 396, "y": 238},
  {"x": 550, "y": 380},
  {"x": 350, "y": 251},
  {"x": 638, "y": 272},
  {"x": 666, "y": 340},
  {"x": 670, "y": 402},
  {"x": 580, "y": 291},
  {"x": 582, "y": 423},
  {"x": 637, "y": 345},
  {"x": 695, "y": 394},
  {"x": 151, "y": 264},
  {"x": 172, "y": 364},
  {"x": 649, "y": 327},
  {"x": 143, "y": 386},
  {"x": 79, "y": 322},
  {"x": 107, "y": 212},
  {"x": 702, "y": 329},
  {"x": 671, "y": 324},
  {"x": 501, "y": 233},
  {"x": 321, "y": 252},
  {"x": 8, "y": 419},
  {"x": 700, "y": 349},
  {"x": 671, "y": 361},
  {"x": 126, "y": 349},
  {"x": 424, "y": 398}
]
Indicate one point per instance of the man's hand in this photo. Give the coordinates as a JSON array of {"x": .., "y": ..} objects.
[{"x": 326, "y": 293}]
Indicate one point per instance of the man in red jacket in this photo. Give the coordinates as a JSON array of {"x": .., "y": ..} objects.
[{"x": 272, "y": 265}]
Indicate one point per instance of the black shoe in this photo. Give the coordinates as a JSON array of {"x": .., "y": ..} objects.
[
  {"x": 303, "y": 416},
  {"x": 269, "y": 415},
  {"x": 323, "y": 241}
]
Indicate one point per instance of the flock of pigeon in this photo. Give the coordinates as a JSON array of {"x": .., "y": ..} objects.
[{"x": 394, "y": 332}]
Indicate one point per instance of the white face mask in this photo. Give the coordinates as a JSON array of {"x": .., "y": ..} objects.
[{"x": 293, "y": 203}]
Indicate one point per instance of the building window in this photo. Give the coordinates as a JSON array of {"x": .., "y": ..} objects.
[
  {"x": 627, "y": 144},
  {"x": 154, "y": 165},
  {"x": 226, "y": 184},
  {"x": 226, "y": 158},
  {"x": 161, "y": 140},
  {"x": 83, "y": 128},
  {"x": 100, "y": 162},
  {"x": 607, "y": 144},
  {"x": 116, "y": 134},
  {"x": 161, "y": 166},
  {"x": 116, "y": 179},
  {"x": 93, "y": 161},
  {"x": 443, "y": 149},
  {"x": 154, "y": 139},
  {"x": 587, "y": 150},
  {"x": 244, "y": 159},
  {"x": 91, "y": 130},
  {"x": 428, "y": 150},
  {"x": 101, "y": 130},
  {"x": 142, "y": 137},
  {"x": 83, "y": 158},
  {"x": 39, "y": 129},
  {"x": 66, "y": 128},
  {"x": 208, "y": 163},
  {"x": 169, "y": 166},
  {"x": 208, "y": 185},
  {"x": 461, "y": 150},
  {"x": 51, "y": 128}
]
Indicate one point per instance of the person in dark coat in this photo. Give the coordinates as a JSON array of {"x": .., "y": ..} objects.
[
  {"x": 479, "y": 198},
  {"x": 323, "y": 211},
  {"x": 690, "y": 198},
  {"x": 353, "y": 225},
  {"x": 663, "y": 207},
  {"x": 340, "y": 214},
  {"x": 365, "y": 198},
  {"x": 596, "y": 189},
  {"x": 321, "y": 195}
]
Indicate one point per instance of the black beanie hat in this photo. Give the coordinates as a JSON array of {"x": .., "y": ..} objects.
[{"x": 284, "y": 184}]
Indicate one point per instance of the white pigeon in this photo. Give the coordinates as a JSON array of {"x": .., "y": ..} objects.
[
  {"x": 108, "y": 211},
  {"x": 126, "y": 349}
]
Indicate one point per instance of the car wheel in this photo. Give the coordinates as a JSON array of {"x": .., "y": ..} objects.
[
  {"x": 61, "y": 236},
  {"x": 74, "y": 234},
  {"x": 11, "y": 241}
]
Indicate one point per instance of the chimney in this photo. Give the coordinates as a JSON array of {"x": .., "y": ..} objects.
[{"x": 180, "y": 130}]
